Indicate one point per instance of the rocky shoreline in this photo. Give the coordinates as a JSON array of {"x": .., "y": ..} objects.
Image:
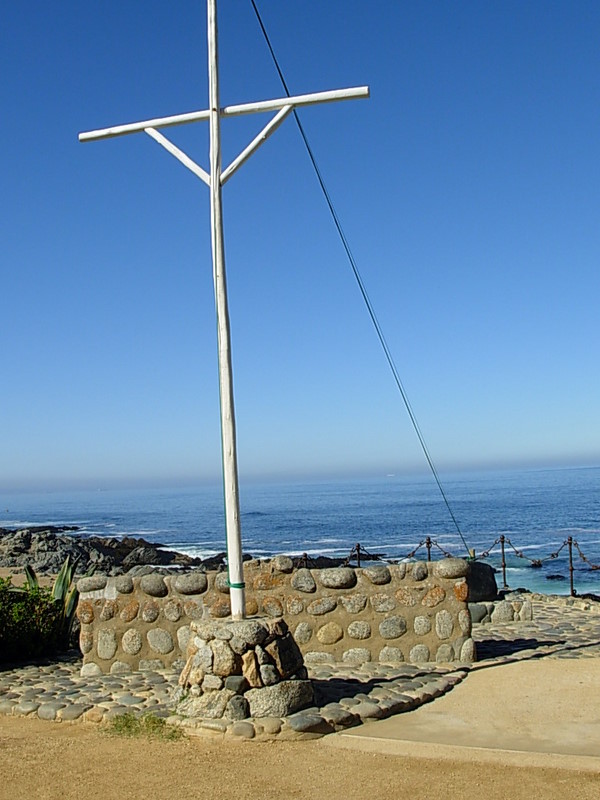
[{"x": 46, "y": 547}]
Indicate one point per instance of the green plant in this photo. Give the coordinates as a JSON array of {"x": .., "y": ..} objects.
[
  {"x": 147, "y": 725},
  {"x": 64, "y": 592},
  {"x": 30, "y": 622}
]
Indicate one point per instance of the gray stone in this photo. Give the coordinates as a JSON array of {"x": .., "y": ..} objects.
[
  {"x": 391, "y": 655},
  {"x": 398, "y": 571},
  {"x": 251, "y": 631},
  {"x": 309, "y": 722},
  {"x": 338, "y": 578},
  {"x": 222, "y": 582},
  {"x": 338, "y": 716},
  {"x": 419, "y": 571},
  {"x": 282, "y": 563},
  {"x": 262, "y": 656},
  {"x": 119, "y": 667},
  {"x": 303, "y": 633},
  {"x": 378, "y": 575},
  {"x": 482, "y": 582},
  {"x": 315, "y": 657},
  {"x": 468, "y": 652},
  {"x": 354, "y": 603},
  {"x": 445, "y": 652},
  {"x": 268, "y": 674},
  {"x": 303, "y": 581},
  {"x": 243, "y": 729},
  {"x": 419, "y": 654},
  {"x": 237, "y": 683},
  {"x": 451, "y": 568},
  {"x": 154, "y": 585},
  {"x": 444, "y": 624},
  {"x": 368, "y": 710},
  {"x": 356, "y": 655},
  {"x": 106, "y": 646},
  {"x": 90, "y": 670},
  {"x": 172, "y": 610},
  {"x": 50, "y": 710},
  {"x": 359, "y": 629},
  {"x": 422, "y": 625},
  {"x": 478, "y": 612},
  {"x": 225, "y": 661},
  {"x": 382, "y": 603},
  {"x": 92, "y": 584},
  {"x": 280, "y": 700},
  {"x": 392, "y": 627},
  {"x": 212, "y": 682},
  {"x": 131, "y": 642},
  {"x": 190, "y": 583},
  {"x": 124, "y": 584},
  {"x": 464, "y": 621},
  {"x": 270, "y": 725},
  {"x": 503, "y": 612},
  {"x": 26, "y": 707},
  {"x": 211, "y": 705},
  {"x": 150, "y": 611},
  {"x": 74, "y": 711},
  {"x": 150, "y": 664},
  {"x": 237, "y": 708},
  {"x": 322, "y": 606},
  {"x": 526, "y": 612}
]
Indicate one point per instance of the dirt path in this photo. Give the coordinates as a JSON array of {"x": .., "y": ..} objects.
[{"x": 52, "y": 761}]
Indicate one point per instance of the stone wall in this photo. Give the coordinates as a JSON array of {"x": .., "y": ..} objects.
[{"x": 414, "y": 612}]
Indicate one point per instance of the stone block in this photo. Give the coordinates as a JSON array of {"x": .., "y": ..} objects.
[
  {"x": 303, "y": 581},
  {"x": 338, "y": 578},
  {"x": 190, "y": 583},
  {"x": 280, "y": 700},
  {"x": 154, "y": 585},
  {"x": 377, "y": 575}
]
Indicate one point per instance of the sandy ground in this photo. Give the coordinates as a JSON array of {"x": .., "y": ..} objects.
[
  {"x": 49, "y": 761},
  {"x": 18, "y": 577}
]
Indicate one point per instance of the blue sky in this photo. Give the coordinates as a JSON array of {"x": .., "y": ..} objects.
[{"x": 468, "y": 187}]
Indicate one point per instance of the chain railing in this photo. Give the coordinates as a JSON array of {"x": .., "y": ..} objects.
[{"x": 359, "y": 553}]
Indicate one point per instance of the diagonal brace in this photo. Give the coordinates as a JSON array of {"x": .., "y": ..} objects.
[
  {"x": 261, "y": 138},
  {"x": 179, "y": 155}
]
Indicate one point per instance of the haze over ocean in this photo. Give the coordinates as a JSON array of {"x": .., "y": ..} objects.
[{"x": 536, "y": 509}]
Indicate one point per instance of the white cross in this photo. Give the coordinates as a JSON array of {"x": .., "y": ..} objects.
[{"x": 215, "y": 179}]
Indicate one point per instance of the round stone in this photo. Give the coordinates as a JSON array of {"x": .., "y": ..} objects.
[
  {"x": 107, "y": 644},
  {"x": 503, "y": 612},
  {"x": 295, "y": 605},
  {"x": 119, "y": 667},
  {"x": 378, "y": 575},
  {"x": 86, "y": 641},
  {"x": 422, "y": 625},
  {"x": 391, "y": 655},
  {"x": 124, "y": 584},
  {"x": 303, "y": 633},
  {"x": 282, "y": 564},
  {"x": 150, "y": 611},
  {"x": 90, "y": 670},
  {"x": 183, "y": 637},
  {"x": 154, "y": 585},
  {"x": 222, "y": 582},
  {"x": 314, "y": 657},
  {"x": 131, "y": 642},
  {"x": 330, "y": 633},
  {"x": 398, "y": 571},
  {"x": 303, "y": 581},
  {"x": 85, "y": 612},
  {"x": 445, "y": 653},
  {"x": 338, "y": 578},
  {"x": 250, "y": 631},
  {"x": 272, "y": 606},
  {"x": 382, "y": 603},
  {"x": 92, "y": 584},
  {"x": 356, "y": 655},
  {"x": 419, "y": 571},
  {"x": 434, "y": 597},
  {"x": 392, "y": 627},
  {"x": 444, "y": 624},
  {"x": 109, "y": 610},
  {"x": 451, "y": 568},
  {"x": 225, "y": 661},
  {"x": 173, "y": 610},
  {"x": 419, "y": 654},
  {"x": 406, "y": 597},
  {"x": 468, "y": 651},
  {"x": 190, "y": 583},
  {"x": 461, "y": 590},
  {"x": 130, "y": 611},
  {"x": 354, "y": 603},
  {"x": 359, "y": 629},
  {"x": 160, "y": 641},
  {"x": 322, "y": 606},
  {"x": 464, "y": 621},
  {"x": 194, "y": 610}
]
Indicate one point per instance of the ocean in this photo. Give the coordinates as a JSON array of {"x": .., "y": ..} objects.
[{"x": 536, "y": 510}]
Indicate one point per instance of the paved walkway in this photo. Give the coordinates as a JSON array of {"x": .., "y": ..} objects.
[
  {"x": 345, "y": 696},
  {"x": 531, "y": 700}
]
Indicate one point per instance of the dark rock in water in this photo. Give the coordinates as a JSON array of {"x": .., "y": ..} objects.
[
  {"x": 555, "y": 577},
  {"x": 482, "y": 582}
]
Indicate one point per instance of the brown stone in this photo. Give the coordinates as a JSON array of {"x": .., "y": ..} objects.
[
  {"x": 330, "y": 633},
  {"x": 276, "y": 627},
  {"x": 286, "y": 655},
  {"x": 109, "y": 610},
  {"x": 406, "y": 597},
  {"x": 220, "y": 608},
  {"x": 129, "y": 611},
  {"x": 461, "y": 591},
  {"x": 294, "y": 605},
  {"x": 85, "y": 612},
  {"x": 193, "y": 610},
  {"x": 268, "y": 580},
  {"x": 434, "y": 597},
  {"x": 150, "y": 611},
  {"x": 173, "y": 610},
  {"x": 272, "y": 606},
  {"x": 251, "y": 606},
  {"x": 86, "y": 641},
  {"x": 250, "y": 670},
  {"x": 225, "y": 661}
]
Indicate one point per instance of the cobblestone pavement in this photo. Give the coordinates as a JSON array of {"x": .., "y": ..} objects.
[{"x": 344, "y": 695}]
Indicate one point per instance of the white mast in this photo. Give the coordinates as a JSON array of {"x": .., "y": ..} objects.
[{"x": 215, "y": 179}]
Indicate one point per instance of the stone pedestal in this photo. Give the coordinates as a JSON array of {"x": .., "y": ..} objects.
[{"x": 236, "y": 670}]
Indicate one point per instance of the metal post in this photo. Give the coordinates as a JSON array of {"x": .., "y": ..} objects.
[
  {"x": 570, "y": 543},
  {"x": 357, "y": 548},
  {"x": 428, "y": 546},
  {"x": 504, "y": 583},
  {"x": 228, "y": 439}
]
